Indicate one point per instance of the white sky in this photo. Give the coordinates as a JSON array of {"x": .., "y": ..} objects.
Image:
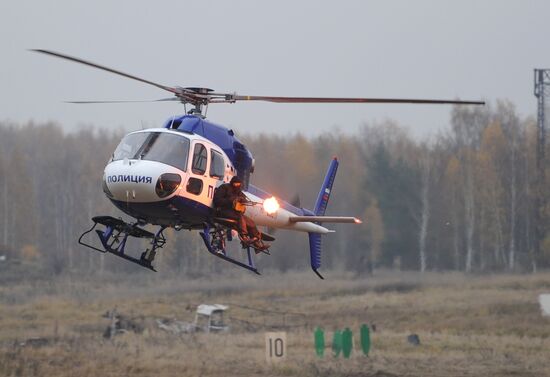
[{"x": 419, "y": 49}]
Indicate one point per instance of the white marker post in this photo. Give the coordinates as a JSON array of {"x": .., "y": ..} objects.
[{"x": 275, "y": 346}]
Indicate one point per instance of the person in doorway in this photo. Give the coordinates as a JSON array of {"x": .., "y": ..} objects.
[{"x": 229, "y": 202}]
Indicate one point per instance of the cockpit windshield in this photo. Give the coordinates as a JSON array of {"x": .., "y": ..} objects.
[{"x": 163, "y": 147}]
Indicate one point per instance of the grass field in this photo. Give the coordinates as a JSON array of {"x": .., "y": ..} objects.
[{"x": 468, "y": 325}]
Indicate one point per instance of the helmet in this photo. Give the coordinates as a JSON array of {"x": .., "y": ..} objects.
[{"x": 235, "y": 180}]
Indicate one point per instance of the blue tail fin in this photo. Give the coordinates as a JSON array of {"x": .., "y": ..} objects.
[
  {"x": 324, "y": 193},
  {"x": 320, "y": 208},
  {"x": 315, "y": 252}
]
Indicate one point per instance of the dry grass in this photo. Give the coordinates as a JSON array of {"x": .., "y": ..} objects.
[{"x": 468, "y": 326}]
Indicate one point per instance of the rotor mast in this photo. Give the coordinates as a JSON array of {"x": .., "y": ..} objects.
[{"x": 198, "y": 100}]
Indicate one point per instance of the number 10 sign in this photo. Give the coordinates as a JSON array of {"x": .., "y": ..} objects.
[{"x": 275, "y": 346}]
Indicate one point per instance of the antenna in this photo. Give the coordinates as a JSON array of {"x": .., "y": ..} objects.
[
  {"x": 541, "y": 90},
  {"x": 172, "y": 124}
]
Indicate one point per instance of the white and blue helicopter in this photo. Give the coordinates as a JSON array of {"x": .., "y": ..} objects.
[{"x": 167, "y": 177}]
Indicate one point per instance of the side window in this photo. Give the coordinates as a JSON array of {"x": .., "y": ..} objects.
[
  {"x": 194, "y": 186},
  {"x": 200, "y": 158},
  {"x": 217, "y": 165}
]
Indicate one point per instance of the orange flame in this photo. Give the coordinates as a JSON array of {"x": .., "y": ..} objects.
[{"x": 271, "y": 205}]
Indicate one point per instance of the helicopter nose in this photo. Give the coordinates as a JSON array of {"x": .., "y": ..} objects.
[
  {"x": 139, "y": 181},
  {"x": 126, "y": 186}
]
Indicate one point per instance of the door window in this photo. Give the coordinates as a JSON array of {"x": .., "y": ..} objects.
[
  {"x": 217, "y": 165},
  {"x": 200, "y": 159}
]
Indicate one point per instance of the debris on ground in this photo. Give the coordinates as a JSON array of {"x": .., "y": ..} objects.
[
  {"x": 413, "y": 339},
  {"x": 35, "y": 342},
  {"x": 121, "y": 324},
  {"x": 210, "y": 318},
  {"x": 176, "y": 327}
]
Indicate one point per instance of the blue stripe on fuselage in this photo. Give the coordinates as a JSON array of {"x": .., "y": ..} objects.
[{"x": 265, "y": 195}]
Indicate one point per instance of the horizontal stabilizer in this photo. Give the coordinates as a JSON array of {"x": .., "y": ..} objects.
[{"x": 324, "y": 219}]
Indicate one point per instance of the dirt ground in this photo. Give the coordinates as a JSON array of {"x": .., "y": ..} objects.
[{"x": 467, "y": 325}]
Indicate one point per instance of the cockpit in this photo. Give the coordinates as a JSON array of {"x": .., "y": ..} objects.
[
  {"x": 168, "y": 148},
  {"x": 203, "y": 163}
]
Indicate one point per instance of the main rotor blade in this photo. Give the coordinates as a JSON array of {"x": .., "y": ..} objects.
[
  {"x": 352, "y": 100},
  {"x": 130, "y": 101},
  {"x": 94, "y": 65}
]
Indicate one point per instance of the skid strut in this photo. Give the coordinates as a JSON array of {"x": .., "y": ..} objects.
[
  {"x": 214, "y": 240},
  {"x": 113, "y": 239}
]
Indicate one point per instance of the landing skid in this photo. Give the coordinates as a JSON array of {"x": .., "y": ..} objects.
[
  {"x": 114, "y": 236},
  {"x": 113, "y": 239},
  {"x": 214, "y": 239}
]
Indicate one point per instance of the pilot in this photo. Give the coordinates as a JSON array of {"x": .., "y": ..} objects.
[{"x": 229, "y": 202}]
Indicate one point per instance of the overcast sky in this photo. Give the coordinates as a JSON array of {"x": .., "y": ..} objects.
[{"x": 418, "y": 49}]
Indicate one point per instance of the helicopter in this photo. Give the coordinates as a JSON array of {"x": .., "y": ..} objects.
[{"x": 166, "y": 177}]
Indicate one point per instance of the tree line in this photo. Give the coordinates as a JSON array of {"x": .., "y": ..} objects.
[{"x": 462, "y": 200}]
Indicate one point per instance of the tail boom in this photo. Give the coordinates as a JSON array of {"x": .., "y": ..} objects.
[
  {"x": 325, "y": 219},
  {"x": 301, "y": 219}
]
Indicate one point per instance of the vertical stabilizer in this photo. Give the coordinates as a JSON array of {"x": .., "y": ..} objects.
[
  {"x": 324, "y": 193},
  {"x": 315, "y": 244}
]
